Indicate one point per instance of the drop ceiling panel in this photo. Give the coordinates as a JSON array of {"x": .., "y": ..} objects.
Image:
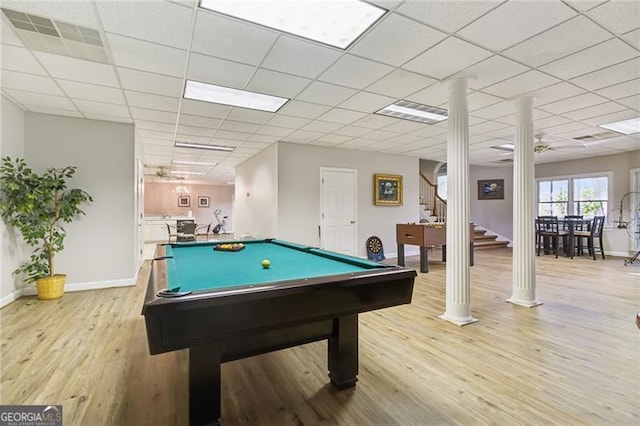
[
  {"x": 277, "y": 83},
  {"x": 207, "y": 69},
  {"x": 513, "y": 22},
  {"x": 249, "y": 115},
  {"x": 235, "y": 40},
  {"x": 367, "y": 102},
  {"x": 29, "y": 82},
  {"x": 388, "y": 42},
  {"x": 567, "y": 38},
  {"x": 237, "y": 126},
  {"x": 110, "y": 118},
  {"x": 154, "y": 21},
  {"x": 447, "y": 58},
  {"x": 404, "y": 126},
  {"x": 149, "y": 101},
  {"x": 153, "y": 115},
  {"x": 303, "y": 109},
  {"x": 494, "y": 111},
  {"x": 619, "y": 16},
  {"x": 492, "y": 70},
  {"x": 375, "y": 121},
  {"x": 354, "y": 72},
  {"x": 619, "y": 73},
  {"x": 551, "y": 121},
  {"x": 152, "y": 125},
  {"x": 325, "y": 93},
  {"x": 612, "y": 118},
  {"x": 631, "y": 102},
  {"x": 101, "y": 108},
  {"x": 19, "y": 59},
  {"x": 633, "y": 37},
  {"x": 448, "y": 16},
  {"x": 195, "y": 131},
  {"x": 54, "y": 111},
  {"x": 521, "y": 84},
  {"x": 299, "y": 57},
  {"x": 400, "y": 83},
  {"x": 322, "y": 126},
  {"x": 603, "y": 55},
  {"x": 194, "y": 120},
  {"x": 584, "y": 5},
  {"x": 7, "y": 35},
  {"x": 353, "y": 131},
  {"x": 555, "y": 93},
  {"x": 92, "y": 92},
  {"x": 621, "y": 90},
  {"x": 41, "y": 100},
  {"x": 150, "y": 82},
  {"x": 281, "y": 120},
  {"x": 274, "y": 131},
  {"x": 205, "y": 109},
  {"x": 343, "y": 116},
  {"x": 146, "y": 56},
  {"x": 590, "y": 112},
  {"x": 434, "y": 95},
  {"x": 571, "y": 104}
]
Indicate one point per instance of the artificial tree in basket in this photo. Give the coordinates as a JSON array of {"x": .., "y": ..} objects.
[{"x": 38, "y": 205}]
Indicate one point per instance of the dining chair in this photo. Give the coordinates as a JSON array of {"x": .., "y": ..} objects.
[
  {"x": 548, "y": 234},
  {"x": 203, "y": 230},
  {"x": 188, "y": 231},
  {"x": 591, "y": 236},
  {"x": 172, "y": 232}
]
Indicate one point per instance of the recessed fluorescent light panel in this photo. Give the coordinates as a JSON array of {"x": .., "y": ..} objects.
[
  {"x": 509, "y": 147},
  {"x": 193, "y": 163},
  {"x": 336, "y": 23},
  {"x": 195, "y": 145},
  {"x": 179, "y": 172},
  {"x": 626, "y": 127},
  {"x": 415, "y": 112},
  {"x": 234, "y": 97}
]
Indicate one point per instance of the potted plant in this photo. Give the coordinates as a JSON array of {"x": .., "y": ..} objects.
[{"x": 38, "y": 205}]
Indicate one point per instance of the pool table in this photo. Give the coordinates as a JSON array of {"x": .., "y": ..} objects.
[{"x": 224, "y": 305}]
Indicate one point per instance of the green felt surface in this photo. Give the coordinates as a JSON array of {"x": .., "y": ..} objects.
[{"x": 198, "y": 267}]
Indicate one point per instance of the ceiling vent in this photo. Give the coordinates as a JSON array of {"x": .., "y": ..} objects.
[
  {"x": 48, "y": 35},
  {"x": 506, "y": 160},
  {"x": 597, "y": 137}
]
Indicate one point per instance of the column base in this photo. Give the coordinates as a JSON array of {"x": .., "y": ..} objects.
[
  {"x": 458, "y": 321},
  {"x": 525, "y": 303}
]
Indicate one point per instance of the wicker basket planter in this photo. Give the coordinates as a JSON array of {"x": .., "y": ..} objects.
[{"x": 51, "y": 287}]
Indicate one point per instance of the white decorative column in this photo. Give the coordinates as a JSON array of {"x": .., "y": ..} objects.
[
  {"x": 524, "y": 271},
  {"x": 458, "y": 287}
]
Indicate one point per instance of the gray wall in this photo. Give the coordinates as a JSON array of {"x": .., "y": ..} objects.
[
  {"x": 299, "y": 193},
  {"x": 100, "y": 249},
  {"x": 12, "y": 248}
]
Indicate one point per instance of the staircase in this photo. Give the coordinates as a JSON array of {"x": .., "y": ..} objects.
[{"x": 434, "y": 209}]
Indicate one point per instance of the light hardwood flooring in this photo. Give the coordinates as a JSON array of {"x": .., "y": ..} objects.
[{"x": 575, "y": 360}]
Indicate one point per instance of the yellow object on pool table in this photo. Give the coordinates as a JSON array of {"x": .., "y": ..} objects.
[{"x": 266, "y": 263}]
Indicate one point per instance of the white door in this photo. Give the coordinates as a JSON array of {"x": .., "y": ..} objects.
[{"x": 338, "y": 210}]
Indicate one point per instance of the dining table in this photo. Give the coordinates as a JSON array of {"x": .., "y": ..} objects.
[{"x": 570, "y": 225}]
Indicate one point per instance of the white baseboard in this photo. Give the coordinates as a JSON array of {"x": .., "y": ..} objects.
[
  {"x": 95, "y": 285},
  {"x": 10, "y": 298}
]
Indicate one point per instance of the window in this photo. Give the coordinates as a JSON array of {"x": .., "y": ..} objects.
[{"x": 574, "y": 195}]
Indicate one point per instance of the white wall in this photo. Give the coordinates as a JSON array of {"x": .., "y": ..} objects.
[
  {"x": 256, "y": 195},
  {"x": 13, "y": 251},
  {"x": 299, "y": 193},
  {"x": 494, "y": 215},
  {"x": 100, "y": 249}
]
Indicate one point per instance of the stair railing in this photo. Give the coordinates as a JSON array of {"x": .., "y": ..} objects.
[{"x": 430, "y": 200}]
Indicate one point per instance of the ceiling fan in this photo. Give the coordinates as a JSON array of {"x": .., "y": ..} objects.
[
  {"x": 541, "y": 146},
  {"x": 163, "y": 173}
]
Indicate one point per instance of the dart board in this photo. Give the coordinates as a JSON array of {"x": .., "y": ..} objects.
[{"x": 374, "y": 249}]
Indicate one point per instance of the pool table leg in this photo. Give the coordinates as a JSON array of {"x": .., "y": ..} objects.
[
  {"x": 343, "y": 352},
  {"x": 204, "y": 384}
]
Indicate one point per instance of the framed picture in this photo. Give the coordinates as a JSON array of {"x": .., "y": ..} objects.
[
  {"x": 184, "y": 201},
  {"x": 387, "y": 190},
  {"x": 203, "y": 201},
  {"x": 491, "y": 189}
]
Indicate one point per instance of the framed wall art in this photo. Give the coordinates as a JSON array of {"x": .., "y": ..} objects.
[
  {"x": 203, "y": 201},
  {"x": 491, "y": 189},
  {"x": 184, "y": 201},
  {"x": 387, "y": 190}
]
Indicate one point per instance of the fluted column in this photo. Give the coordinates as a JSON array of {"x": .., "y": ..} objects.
[
  {"x": 524, "y": 272},
  {"x": 458, "y": 286}
]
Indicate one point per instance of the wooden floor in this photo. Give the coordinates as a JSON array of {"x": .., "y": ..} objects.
[{"x": 575, "y": 360}]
